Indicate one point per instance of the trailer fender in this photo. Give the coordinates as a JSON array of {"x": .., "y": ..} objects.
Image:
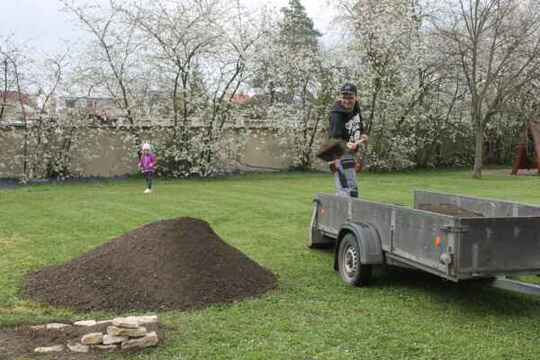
[{"x": 369, "y": 242}]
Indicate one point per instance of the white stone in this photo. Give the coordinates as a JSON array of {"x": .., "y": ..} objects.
[
  {"x": 151, "y": 339},
  {"x": 49, "y": 349},
  {"x": 104, "y": 322},
  {"x": 38, "y": 327},
  {"x": 125, "y": 323},
  {"x": 85, "y": 323},
  {"x": 133, "y": 322},
  {"x": 105, "y": 347},
  {"x": 56, "y": 326},
  {"x": 117, "y": 331},
  {"x": 108, "y": 339},
  {"x": 92, "y": 338},
  {"x": 79, "y": 348}
]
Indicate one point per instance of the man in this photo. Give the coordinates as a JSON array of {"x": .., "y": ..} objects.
[{"x": 346, "y": 127}]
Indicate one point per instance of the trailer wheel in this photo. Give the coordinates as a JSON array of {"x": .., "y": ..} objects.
[{"x": 350, "y": 267}]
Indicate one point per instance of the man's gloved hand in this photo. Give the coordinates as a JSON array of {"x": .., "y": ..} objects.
[
  {"x": 353, "y": 146},
  {"x": 333, "y": 166}
]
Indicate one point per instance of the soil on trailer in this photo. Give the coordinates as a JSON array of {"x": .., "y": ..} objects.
[
  {"x": 177, "y": 264},
  {"x": 448, "y": 209},
  {"x": 20, "y": 342}
]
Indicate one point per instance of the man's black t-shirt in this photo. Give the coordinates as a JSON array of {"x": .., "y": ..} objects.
[{"x": 346, "y": 124}]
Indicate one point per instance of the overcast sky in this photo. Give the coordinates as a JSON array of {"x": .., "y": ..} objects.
[{"x": 43, "y": 24}]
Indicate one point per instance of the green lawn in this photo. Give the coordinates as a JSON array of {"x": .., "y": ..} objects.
[{"x": 313, "y": 314}]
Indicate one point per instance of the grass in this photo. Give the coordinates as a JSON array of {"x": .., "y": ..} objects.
[{"x": 313, "y": 314}]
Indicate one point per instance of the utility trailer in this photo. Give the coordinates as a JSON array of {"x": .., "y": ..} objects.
[{"x": 455, "y": 237}]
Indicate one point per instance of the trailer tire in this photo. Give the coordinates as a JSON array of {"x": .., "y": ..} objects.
[{"x": 350, "y": 267}]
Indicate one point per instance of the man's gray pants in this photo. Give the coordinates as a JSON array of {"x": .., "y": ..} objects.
[{"x": 345, "y": 177}]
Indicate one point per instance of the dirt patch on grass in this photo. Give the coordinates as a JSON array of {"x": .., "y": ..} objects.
[
  {"x": 177, "y": 264},
  {"x": 20, "y": 342}
]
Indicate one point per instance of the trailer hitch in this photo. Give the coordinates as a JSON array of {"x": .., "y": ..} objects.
[{"x": 505, "y": 283}]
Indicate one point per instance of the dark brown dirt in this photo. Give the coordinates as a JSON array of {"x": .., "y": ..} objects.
[
  {"x": 177, "y": 264},
  {"x": 331, "y": 150},
  {"x": 20, "y": 342},
  {"x": 448, "y": 209}
]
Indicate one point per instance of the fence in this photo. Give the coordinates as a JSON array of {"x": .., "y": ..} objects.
[{"x": 103, "y": 151}]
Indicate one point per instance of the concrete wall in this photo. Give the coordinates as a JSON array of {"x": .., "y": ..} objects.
[
  {"x": 11, "y": 160},
  {"x": 109, "y": 152},
  {"x": 264, "y": 150}
]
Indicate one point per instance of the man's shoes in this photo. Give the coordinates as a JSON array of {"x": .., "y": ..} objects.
[{"x": 147, "y": 191}]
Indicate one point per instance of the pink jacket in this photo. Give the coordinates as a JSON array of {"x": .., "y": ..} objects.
[{"x": 147, "y": 163}]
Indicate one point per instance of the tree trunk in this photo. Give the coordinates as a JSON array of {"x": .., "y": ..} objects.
[{"x": 478, "y": 150}]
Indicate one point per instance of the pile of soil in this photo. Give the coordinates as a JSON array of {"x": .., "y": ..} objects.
[
  {"x": 172, "y": 264},
  {"x": 20, "y": 342},
  {"x": 448, "y": 209}
]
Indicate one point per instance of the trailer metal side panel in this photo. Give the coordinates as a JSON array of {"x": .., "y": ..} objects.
[
  {"x": 333, "y": 213},
  {"x": 493, "y": 246},
  {"x": 379, "y": 216},
  {"x": 406, "y": 233},
  {"x": 486, "y": 207},
  {"x": 415, "y": 238}
]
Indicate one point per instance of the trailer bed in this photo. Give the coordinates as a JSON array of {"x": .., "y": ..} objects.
[{"x": 452, "y": 236}]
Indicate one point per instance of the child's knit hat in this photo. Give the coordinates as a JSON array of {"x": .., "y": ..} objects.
[{"x": 146, "y": 146}]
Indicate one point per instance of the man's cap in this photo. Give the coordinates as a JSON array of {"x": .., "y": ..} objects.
[{"x": 348, "y": 89}]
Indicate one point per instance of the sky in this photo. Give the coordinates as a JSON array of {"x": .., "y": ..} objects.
[{"x": 42, "y": 24}]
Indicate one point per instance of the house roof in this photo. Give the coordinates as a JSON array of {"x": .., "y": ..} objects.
[{"x": 240, "y": 99}]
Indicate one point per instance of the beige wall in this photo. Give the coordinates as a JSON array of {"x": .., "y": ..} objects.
[
  {"x": 11, "y": 160},
  {"x": 264, "y": 150},
  {"x": 107, "y": 152}
]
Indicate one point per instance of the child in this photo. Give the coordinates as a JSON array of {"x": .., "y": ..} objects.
[{"x": 147, "y": 164}]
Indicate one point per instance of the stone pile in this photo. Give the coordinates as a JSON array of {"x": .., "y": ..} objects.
[{"x": 123, "y": 333}]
